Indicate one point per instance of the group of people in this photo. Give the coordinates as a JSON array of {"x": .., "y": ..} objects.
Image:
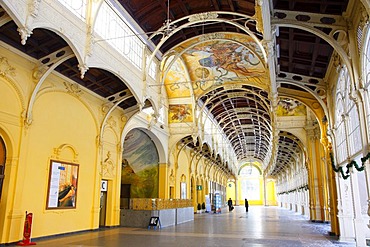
[{"x": 231, "y": 207}]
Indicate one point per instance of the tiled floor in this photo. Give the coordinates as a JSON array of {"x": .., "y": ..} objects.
[{"x": 261, "y": 226}]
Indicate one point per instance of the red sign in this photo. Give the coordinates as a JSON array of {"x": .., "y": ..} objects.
[{"x": 27, "y": 231}]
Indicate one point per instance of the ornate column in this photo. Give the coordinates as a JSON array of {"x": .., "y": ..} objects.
[
  {"x": 366, "y": 5},
  {"x": 316, "y": 188},
  {"x": 358, "y": 221},
  {"x": 333, "y": 194}
]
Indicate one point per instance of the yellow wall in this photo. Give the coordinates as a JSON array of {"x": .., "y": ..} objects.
[
  {"x": 271, "y": 193},
  {"x": 250, "y": 201},
  {"x": 182, "y": 169},
  {"x": 230, "y": 191},
  {"x": 65, "y": 127}
]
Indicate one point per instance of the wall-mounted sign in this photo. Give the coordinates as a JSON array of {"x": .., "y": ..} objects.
[
  {"x": 104, "y": 185},
  {"x": 199, "y": 187},
  {"x": 62, "y": 191}
]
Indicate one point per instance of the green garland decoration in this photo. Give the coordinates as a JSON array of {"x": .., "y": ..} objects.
[
  {"x": 299, "y": 189},
  {"x": 345, "y": 175},
  {"x": 351, "y": 164}
]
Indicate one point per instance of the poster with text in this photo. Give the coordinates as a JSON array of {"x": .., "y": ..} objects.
[{"x": 62, "y": 190}]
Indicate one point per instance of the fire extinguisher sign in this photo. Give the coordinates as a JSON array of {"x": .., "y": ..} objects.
[{"x": 27, "y": 231}]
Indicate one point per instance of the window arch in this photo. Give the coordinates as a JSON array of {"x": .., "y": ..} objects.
[
  {"x": 2, "y": 163},
  {"x": 347, "y": 122},
  {"x": 339, "y": 126},
  {"x": 366, "y": 73}
]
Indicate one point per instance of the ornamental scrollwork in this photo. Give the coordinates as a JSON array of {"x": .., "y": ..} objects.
[
  {"x": 5, "y": 68},
  {"x": 203, "y": 16}
]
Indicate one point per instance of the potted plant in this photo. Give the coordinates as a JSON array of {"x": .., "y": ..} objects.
[
  {"x": 203, "y": 207},
  {"x": 199, "y": 209}
]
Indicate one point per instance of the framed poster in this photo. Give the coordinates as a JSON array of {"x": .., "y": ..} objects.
[
  {"x": 183, "y": 190},
  {"x": 62, "y": 189}
]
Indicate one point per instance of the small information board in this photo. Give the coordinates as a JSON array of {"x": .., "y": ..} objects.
[{"x": 154, "y": 222}]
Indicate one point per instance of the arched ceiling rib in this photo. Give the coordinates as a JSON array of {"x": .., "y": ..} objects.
[
  {"x": 204, "y": 151},
  {"x": 243, "y": 115},
  {"x": 289, "y": 153},
  {"x": 152, "y": 14}
]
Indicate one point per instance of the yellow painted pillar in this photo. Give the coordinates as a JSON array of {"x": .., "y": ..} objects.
[
  {"x": 324, "y": 177},
  {"x": 193, "y": 192},
  {"x": 199, "y": 195},
  {"x": 163, "y": 181},
  {"x": 264, "y": 191},
  {"x": 320, "y": 178},
  {"x": 315, "y": 175},
  {"x": 334, "y": 223}
]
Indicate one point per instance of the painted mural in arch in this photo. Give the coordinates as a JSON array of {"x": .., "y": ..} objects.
[
  {"x": 177, "y": 85},
  {"x": 220, "y": 62},
  {"x": 180, "y": 113},
  {"x": 141, "y": 166},
  {"x": 290, "y": 107},
  {"x": 215, "y": 62}
]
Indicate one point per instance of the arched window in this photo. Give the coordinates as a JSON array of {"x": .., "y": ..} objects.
[
  {"x": 354, "y": 134},
  {"x": 347, "y": 122},
  {"x": 250, "y": 182},
  {"x": 366, "y": 72},
  {"x": 2, "y": 163},
  {"x": 340, "y": 133}
]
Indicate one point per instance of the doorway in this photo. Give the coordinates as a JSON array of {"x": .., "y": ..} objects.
[
  {"x": 103, "y": 208},
  {"x": 125, "y": 196},
  {"x": 172, "y": 192}
]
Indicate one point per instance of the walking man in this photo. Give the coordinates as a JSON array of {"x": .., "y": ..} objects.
[{"x": 230, "y": 204}]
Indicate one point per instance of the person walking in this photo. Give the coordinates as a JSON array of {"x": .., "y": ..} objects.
[
  {"x": 246, "y": 204},
  {"x": 230, "y": 204}
]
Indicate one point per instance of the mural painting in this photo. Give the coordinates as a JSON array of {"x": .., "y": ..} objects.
[
  {"x": 221, "y": 61},
  {"x": 176, "y": 81},
  {"x": 290, "y": 107},
  {"x": 180, "y": 113},
  {"x": 229, "y": 59},
  {"x": 141, "y": 168}
]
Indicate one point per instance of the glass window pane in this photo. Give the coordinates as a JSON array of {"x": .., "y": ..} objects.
[
  {"x": 77, "y": 7},
  {"x": 113, "y": 29}
]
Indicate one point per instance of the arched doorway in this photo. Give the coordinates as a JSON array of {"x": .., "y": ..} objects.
[
  {"x": 2, "y": 163},
  {"x": 251, "y": 183},
  {"x": 139, "y": 177}
]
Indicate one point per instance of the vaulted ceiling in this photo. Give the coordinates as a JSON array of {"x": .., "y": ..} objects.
[
  {"x": 302, "y": 59},
  {"x": 244, "y": 112}
]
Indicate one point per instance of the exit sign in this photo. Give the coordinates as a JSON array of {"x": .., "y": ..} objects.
[{"x": 199, "y": 187}]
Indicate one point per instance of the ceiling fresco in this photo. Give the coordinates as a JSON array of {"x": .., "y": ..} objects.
[
  {"x": 232, "y": 59},
  {"x": 180, "y": 113},
  {"x": 219, "y": 68},
  {"x": 176, "y": 81},
  {"x": 290, "y": 107}
]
